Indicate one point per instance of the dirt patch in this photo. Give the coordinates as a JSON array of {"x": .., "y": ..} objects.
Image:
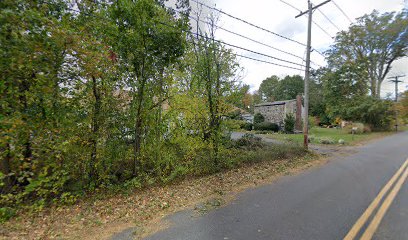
[{"x": 140, "y": 212}]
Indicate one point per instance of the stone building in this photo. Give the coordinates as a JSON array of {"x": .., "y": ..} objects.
[{"x": 275, "y": 112}]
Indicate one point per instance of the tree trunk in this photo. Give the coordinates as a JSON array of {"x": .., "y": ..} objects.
[
  {"x": 6, "y": 169},
  {"x": 378, "y": 94},
  {"x": 139, "y": 120},
  {"x": 95, "y": 130},
  {"x": 27, "y": 150}
]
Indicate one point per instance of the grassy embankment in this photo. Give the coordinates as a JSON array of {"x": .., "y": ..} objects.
[
  {"x": 317, "y": 134},
  {"x": 101, "y": 214}
]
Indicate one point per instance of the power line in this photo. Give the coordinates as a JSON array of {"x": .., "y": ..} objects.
[
  {"x": 240, "y": 35},
  {"x": 246, "y": 22},
  {"x": 252, "y": 51},
  {"x": 245, "y": 49},
  {"x": 315, "y": 23},
  {"x": 341, "y": 10},
  {"x": 313, "y": 49},
  {"x": 303, "y": 59},
  {"x": 258, "y": 27},
  {"x": 263, "y": 61},
  {"x": 321, "y": 28},
  {"x": 253, "y": 40},
  {"x": 290, "y": 5},
  {"x": 232, "y": 45},
  {"x": 328, "y": 19}
]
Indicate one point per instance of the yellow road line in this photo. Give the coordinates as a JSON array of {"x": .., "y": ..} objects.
[
  {"x": 368, "y": 234},
  {"x": 362, "y": 220}
]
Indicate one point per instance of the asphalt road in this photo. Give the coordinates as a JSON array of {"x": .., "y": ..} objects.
[{"x": 322, "y": 203}]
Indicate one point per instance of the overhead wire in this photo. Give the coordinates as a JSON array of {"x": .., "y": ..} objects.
[
  {"x": 313, "y": 21},
  {"x": 239, "y": 47},
  {"x": 341, "y": 10},
  {"x": 328, "y": 19},
  {"x": 248, "y": 23},
  {"x": 313, "y": 49},
  {"x": 240, "y": 55},
  {"x": 263, "y": 61},
  {"x": 253, "y": 40}
]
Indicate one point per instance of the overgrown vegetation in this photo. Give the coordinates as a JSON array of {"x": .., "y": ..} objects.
[{"x": 96, "y": 94}]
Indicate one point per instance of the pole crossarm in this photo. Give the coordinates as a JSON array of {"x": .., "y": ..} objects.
[{"x": 313, "y": 8}]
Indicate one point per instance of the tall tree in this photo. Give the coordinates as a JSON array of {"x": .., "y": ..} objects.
[
  {"x": 275, "y": 89},
  {"x": 289, "y": 87},
  {"x": 374, "y": 42},
  {"x": 267, "y": 89},
  {"x": 148, "y": 39}
]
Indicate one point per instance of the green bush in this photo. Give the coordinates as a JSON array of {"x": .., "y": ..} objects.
[
  {"x": 235, "y": 114},
  {"x": 233, "y": 124},
  {"x": 258, "y": 118},
  {"x": 249, "y": 141},
  {"x": 326, "y": 140},
  {"x": 266, "y": 126},
  {"x": 247, "y": 126},
  {"x": 289, "y": 123},
  {"x": 6, "y": 213}
]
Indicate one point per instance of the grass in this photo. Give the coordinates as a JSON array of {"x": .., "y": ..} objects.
[
  {"x": 403, "y": 127},
  {"x": 316, "y": 134}
]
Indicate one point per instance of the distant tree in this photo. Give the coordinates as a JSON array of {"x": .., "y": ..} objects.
[
  {"x": 342, "y": 87},
  {"x": 240, "y": 96},
  {"x": 370, "y": 110},
  {"x": 275, "y": 89},
  {"x": 268, "y": 88},
  {"x": 372, "y": 44},
  {"x": 402, "y": 106},
  {"x": 289, "y": 87}
]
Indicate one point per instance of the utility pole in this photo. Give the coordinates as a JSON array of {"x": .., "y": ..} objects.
[
  {"x": 307, "y": 70},
  {"x": 396, "y": 81}
]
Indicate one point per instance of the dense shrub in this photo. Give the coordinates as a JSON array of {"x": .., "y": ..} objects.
[
  {"x": 6, "y": 213},
  {"x": 289, "y": 123},
  {"x": 247, "y": 126},
  {"x": 374, "y": 112},
  {"x": 235, "y": 114},
  {"x": 258, "y": 118},
  {"x": 326, "y": 140},
  {"x": 266, "y": 126},
  {"x": 249, "y": 141},
  {"x": 233, "y": 124},
  {"x": 360, "y": 128}
]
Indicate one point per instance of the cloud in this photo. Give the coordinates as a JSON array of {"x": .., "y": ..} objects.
[{"x": 290, "y": 29}]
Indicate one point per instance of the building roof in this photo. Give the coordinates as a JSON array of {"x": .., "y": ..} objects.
[{"x": 275, "y": 103}]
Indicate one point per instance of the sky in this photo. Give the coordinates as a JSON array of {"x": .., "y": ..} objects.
[{"x": 278, "y": 17}]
